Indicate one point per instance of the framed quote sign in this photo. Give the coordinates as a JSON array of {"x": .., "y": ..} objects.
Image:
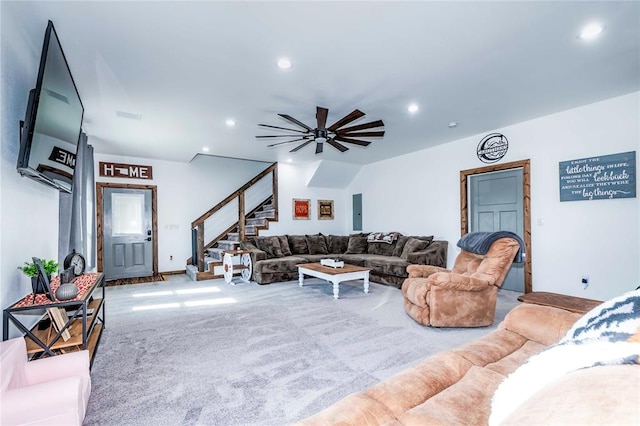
[
  {"x": 599, "y": 178},
  {"x": 301, "y": 208}
]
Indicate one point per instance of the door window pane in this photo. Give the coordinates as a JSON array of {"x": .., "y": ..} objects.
[{"x": 126, "y": 214}]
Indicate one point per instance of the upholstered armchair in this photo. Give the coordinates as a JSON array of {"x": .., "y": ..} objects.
[
  {"x": 464, "y": 296},
  {"x": 48, "y": 391}
]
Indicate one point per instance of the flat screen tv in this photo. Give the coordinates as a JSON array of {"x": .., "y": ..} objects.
[{"x": 53, "y": 120}]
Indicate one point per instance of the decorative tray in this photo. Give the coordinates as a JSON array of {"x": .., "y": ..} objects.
[{"x": 334, "y": 263}]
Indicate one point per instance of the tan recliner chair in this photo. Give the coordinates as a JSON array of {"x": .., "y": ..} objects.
[{"x": 464, "y": 296}]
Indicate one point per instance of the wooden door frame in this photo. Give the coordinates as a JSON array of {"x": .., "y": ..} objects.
[
  {"x": 526, "y": 207},
  {"x": 154, "y": 218}
]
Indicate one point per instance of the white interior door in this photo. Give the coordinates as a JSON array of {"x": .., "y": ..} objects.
[
  {"x": 496, "y": 204},
  {"x": 127, "y": 233}
]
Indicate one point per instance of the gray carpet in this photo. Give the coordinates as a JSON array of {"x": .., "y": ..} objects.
[{"x": 271, "y": 355}]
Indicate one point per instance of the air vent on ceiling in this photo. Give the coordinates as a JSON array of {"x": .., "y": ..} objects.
[{"x": 129, "y": 115}]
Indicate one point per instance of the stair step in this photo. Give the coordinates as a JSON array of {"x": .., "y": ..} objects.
[
  {"x": 258, "y": 221},
  {"x": 233, "y": 236},
  {"x": 266, "y": 214}
]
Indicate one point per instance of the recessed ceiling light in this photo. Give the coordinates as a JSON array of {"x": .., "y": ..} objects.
[
  {"x": 284, "y": 63},
  {"x": 413, "y": 108},
  {"x": 591, "y": 31},
  {"x": 453, "y": 124},
  {"x": 230, "y": 122},
  {"x": 205, "y": 149},
  {"x": 289, "y": 160}
]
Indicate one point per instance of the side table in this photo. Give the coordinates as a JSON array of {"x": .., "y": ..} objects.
[
  {"x": 570, "y": 303},
  {"x": 237, "y": 261}
]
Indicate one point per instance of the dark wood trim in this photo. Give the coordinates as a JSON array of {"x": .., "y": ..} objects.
[
  {"x": 525, "y": 165},
  {"x": 233, "y": 195},
  {"x": 154, "y": 218},
  {"x": 178, "y": 272}
]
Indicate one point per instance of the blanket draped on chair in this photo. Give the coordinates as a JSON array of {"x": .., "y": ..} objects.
[{"x": 480, "y": 242}]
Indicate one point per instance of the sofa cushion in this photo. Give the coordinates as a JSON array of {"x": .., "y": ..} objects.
[
  {"x": 467, "y": 402},
  {"x": 270, "y": 245},
  {"x": 298, "y": 244},
  {"x": 284, "y": 245},
  {"x": 388, "y": 265},
  {"x": 337, "y": 244},
  {"x": 282, "y": 264},
  {"x": 413, "y": 245},
  {"x": 357, "y": 245},
  {"x": 317, "y": 244},
  {"x": 610, "y": 391},
  {"x": 382, "y": 243}
]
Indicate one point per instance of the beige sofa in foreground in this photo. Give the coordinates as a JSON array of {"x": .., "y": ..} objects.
[{"x": 457, "y": 387}]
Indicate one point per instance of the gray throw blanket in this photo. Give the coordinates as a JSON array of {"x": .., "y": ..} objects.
[{"x": 480, "y": 242}]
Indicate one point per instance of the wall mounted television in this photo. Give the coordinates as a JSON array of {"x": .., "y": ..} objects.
[{"x": 53, "y": 120}]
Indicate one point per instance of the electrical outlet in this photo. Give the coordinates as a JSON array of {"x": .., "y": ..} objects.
[{"x": 585, "y": 281}]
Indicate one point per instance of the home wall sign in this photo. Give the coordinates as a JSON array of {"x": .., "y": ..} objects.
[
  {"x": 63, "y": 156},
  {"x": 599, "y": 178},
  {"x": 131, "y": 171},
  {"x": 492, "y": 147}
]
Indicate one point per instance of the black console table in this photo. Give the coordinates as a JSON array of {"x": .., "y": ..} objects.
[{"x": 85, "y": 319}]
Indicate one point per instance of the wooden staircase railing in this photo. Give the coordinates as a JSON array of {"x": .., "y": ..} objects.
[{"x": 198, "y": 225}]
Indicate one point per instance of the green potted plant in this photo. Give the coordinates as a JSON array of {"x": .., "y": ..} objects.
[{"x": 30, "y": 269}]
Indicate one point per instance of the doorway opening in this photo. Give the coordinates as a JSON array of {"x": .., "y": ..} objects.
[
  {"x": 132, "y": 243},
  {"x": 524, "y": 165}
]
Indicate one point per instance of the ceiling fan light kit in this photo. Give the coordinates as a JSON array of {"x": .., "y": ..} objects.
[{"x": 322, "y": 134}]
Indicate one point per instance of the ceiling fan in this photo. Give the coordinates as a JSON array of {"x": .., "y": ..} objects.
[{"x": 332, "y": 135}]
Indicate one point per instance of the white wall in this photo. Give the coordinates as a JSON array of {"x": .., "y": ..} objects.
[
  {"x": 292, "y": 183},
  {"x": 185, "y": 191},
  {"x": 28, "y": 210},
  {"x": 419, "y": 194}
]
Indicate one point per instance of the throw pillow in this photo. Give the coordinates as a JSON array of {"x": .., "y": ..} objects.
[
  {"x": 337, "y": 244},
  {"x": 284, "y": 245},
  {"x": 317, "y": 244},
  {"x": 402, "y": 240},
  {"x": 298, "y": 244},
  {"x": 413, "y": 245},
  {"x": 357, "y": 245},
  {"x": 271, "y": 246}
]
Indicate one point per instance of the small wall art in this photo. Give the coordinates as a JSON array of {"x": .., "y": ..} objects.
[
  {"x": 301, "y": 208},
  {"x": 325, "y": 209}
]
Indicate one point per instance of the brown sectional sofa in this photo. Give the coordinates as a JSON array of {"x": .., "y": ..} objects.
[
  {"x": 457, "y": 387},
  {"x": 275, "y": 257}
]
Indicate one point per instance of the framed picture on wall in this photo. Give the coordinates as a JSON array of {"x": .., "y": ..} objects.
[
  {"x": 301, "y": 208},
  {"x": 325, "y": 209}
]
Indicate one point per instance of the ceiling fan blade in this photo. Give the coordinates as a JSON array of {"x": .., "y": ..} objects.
[
  {"x": 301, "y": 146},
  {"x": 319, "y": 147},
  {"x": 337, "y": 145},
  {"x": 293, "y": 120},
  {"x": 364, "y": 126},
  {"x": 282, "y": 128},
  {"x": 359, "y": 134},
  {"x": 353, "y": 141},
  {"x": 285, "y": 142},
  {"x": 276, "y": 136},
  {"x": 321, "y": 115},
  {"x": 354, "y": 115}
]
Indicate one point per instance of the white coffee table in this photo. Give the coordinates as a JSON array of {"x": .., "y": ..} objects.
[{"x": 334, "y": 275}]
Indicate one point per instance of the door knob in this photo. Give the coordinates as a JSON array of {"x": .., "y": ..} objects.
[{"x": 148, "y": 238}]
